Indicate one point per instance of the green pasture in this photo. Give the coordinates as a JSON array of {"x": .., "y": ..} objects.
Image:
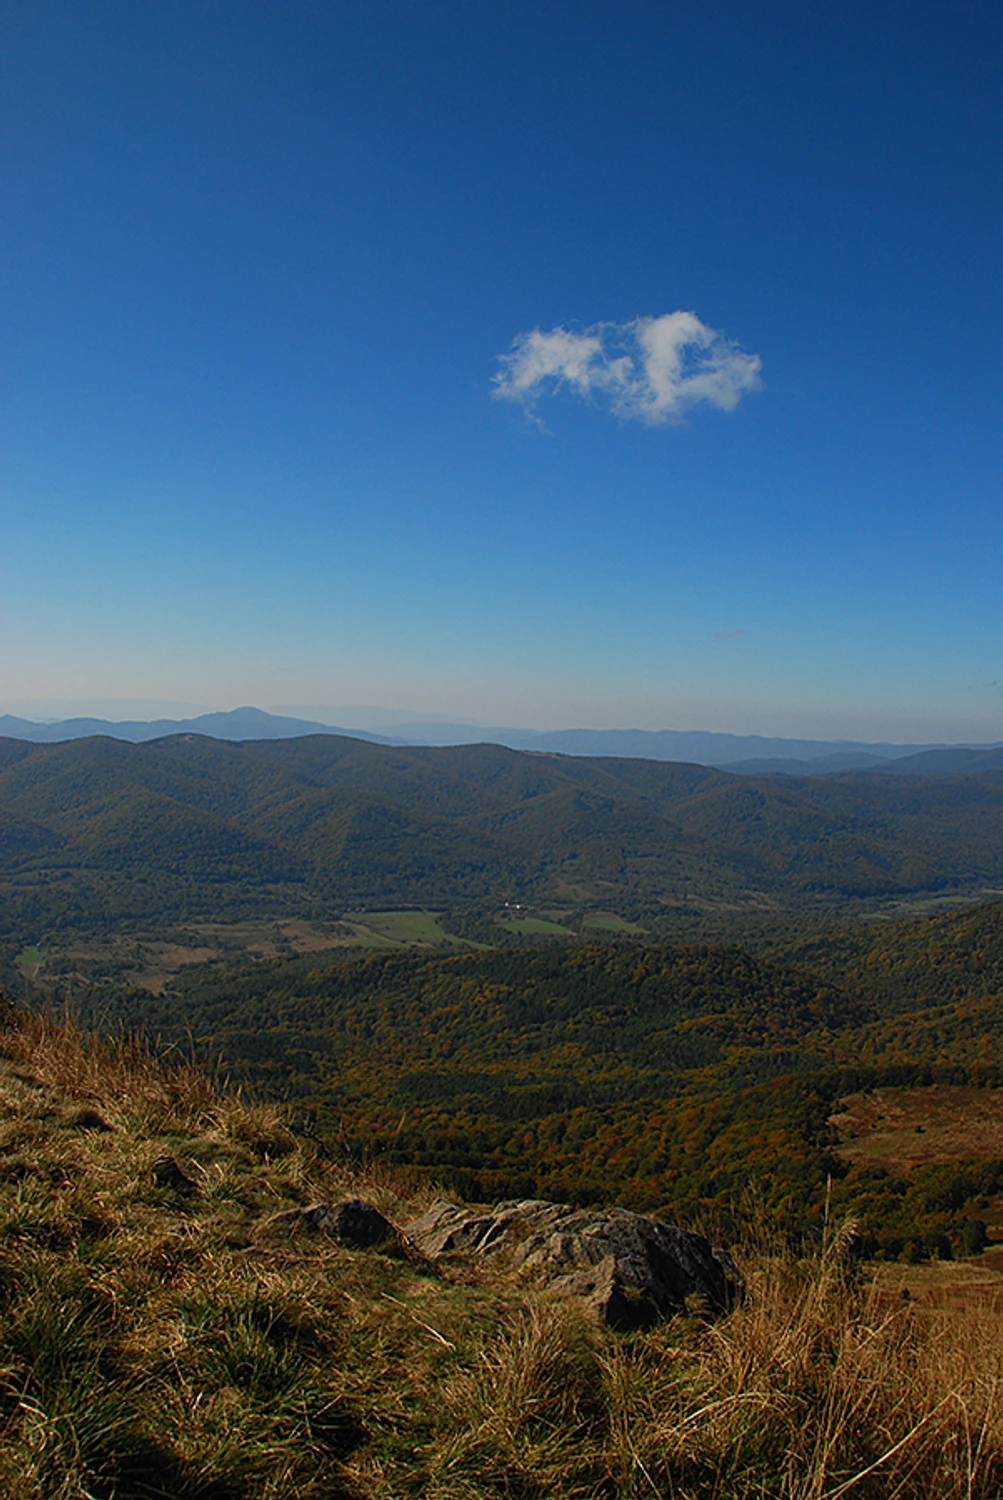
[
  {"x": 608, "y": 921},
  {"x": 534, "y": 927},
  {"x": 931, "y": 904},
  {"x": 406, "y": 928}
]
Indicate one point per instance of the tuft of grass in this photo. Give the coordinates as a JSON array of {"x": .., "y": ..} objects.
[
  {"x": 200, "y": 1345},
  {"x": 123, "y": 1073}
]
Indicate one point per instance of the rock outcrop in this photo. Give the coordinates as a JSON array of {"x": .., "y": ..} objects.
[{"x": 632, "y": 1270}]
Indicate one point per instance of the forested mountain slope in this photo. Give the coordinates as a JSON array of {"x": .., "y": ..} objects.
[
  {"x": 689, "y": 1079},
  {"x": 98, "y": 830},
  {"x": 901, "y": 966}
]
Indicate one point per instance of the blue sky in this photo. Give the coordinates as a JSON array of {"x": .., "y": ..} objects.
[{"x": 264, "y": 264}]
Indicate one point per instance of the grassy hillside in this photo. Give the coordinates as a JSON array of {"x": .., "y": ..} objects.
[
  {"x": 99, "y": 836},
  {"x": 189, "y": 1342}
]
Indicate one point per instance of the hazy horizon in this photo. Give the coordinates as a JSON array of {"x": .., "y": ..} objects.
[{"x": 384, "y": 720}]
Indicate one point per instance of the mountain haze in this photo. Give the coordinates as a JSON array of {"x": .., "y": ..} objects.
[
  {"x": 747, "y": 753},
  {"x": 701, "y": 746},
  {"x": 237, "y": 724}
]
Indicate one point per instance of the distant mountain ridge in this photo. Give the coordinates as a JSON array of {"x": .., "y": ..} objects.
[
  {"x": 958, "y": 760},
  {"x": 749, "y": 754},
  {"x": 237, "y": 724}
]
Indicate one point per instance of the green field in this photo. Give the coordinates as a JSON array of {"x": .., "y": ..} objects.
[
  {"x": 608, "y": 921},
  {"x": 534, "y": 927},
  {"x": 406, "y": 928}
]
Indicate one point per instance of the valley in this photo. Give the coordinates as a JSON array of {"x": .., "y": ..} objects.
[
  {"x": 856, "y": 1073},
  {"x": 187, "y": 843},
  {"x": 687, "y": 991}
]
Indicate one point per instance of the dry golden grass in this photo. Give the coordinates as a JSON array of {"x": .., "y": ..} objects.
[
  {"x": 122, "y": 1074},
  {"x": 190, "y": 1343}
]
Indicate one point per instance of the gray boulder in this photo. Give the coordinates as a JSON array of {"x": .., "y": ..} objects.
[
  {"x": 354, "y": 1223},
  {"x": 633, "y": 1271}
]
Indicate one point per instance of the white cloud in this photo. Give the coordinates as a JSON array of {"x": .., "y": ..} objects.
[{"x": 651, "y": 370}]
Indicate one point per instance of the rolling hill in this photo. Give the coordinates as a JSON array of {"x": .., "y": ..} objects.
[{"x": 100, "y": 831}]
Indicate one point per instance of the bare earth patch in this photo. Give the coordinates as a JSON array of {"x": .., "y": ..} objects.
[
  {"x": 149, "y": 960},
  {"x": 903, "y": 1128}
]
